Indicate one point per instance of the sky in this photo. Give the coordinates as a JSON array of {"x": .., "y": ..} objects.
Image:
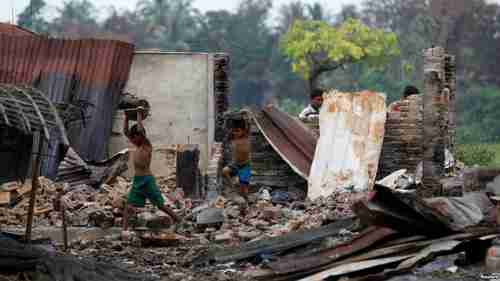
[{"x": 7, "y": 6}]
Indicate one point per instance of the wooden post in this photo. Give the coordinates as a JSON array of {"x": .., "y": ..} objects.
[
  {"x": 187, "y": 169},
  {"x": 34, "y": 186},
  {"x": 65, "y": 229}
]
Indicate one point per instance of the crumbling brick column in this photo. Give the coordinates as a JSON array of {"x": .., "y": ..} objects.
[
  {"x": 435, "y": 122},
  {"x": 221, "y": 92},
  {"x": 450, "y": 83}
]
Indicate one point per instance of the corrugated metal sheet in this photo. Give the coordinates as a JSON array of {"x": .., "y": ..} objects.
[
  {"x": 75, "y": 171},
  {"x": 10, "y": 29},
  {"x": 93, "y": 71},
  {"x": 289, "y": 138},
  {"x": 348, "y": 150}
]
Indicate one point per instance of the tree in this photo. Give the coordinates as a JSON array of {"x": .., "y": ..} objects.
[
  {"x": 168, "y": 24},
  {"x": 76, "y": 19},
  {"x": 316, "y": 47},
  {"x": 32, "y": 17}
]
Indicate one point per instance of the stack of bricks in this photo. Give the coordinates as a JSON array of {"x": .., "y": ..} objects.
[
  {"x": 268, "y": 169},
  {"x": 221, "y": 92},
  {"x": 402, "y": 147}
]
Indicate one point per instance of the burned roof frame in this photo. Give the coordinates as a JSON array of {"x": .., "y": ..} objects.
[{"x": 29, "y": 110}]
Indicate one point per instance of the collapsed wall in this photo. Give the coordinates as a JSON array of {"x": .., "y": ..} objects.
[
  {"x": 268, "y": 168},
  {"x": 421, "y": 127},
  {"x": 402, "y": 147}
]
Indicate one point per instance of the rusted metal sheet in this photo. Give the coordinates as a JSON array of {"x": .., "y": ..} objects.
[
  {"x": 402, "y": 212},
  {"x": 71, "y": 71},
  {"x": 355, "y": 266},
  {"x": 307, "y": 264},
  {"x": 288, "y": 137},
  {"x": 75, "y": 171},
  {"x": 11, "y": 29},
  {"x": 276, "y": 244},
  {"x": 348, "y": 150}
]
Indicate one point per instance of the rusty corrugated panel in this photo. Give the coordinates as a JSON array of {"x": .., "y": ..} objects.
[
  {"x": 93, "y": 71},
  {"x": 11, "y": 29},
  {"x": 307, "y": 265},
  {"x": 348, "y": 150},
  {"x": 75, "y": 171},
  {"x": 276, "y": 244},
  {"x": 289, "y": 138}
]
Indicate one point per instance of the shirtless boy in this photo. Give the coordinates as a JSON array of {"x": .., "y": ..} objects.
[
  {"x": 240, "y": 166},
  {"x": 144, "y": 184}
]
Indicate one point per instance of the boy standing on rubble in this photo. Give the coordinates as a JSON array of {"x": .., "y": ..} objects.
[
  {"x": 312, "y": 110},
  {"x": 144, "y": 184},
  {"x": 240, "y": 165}
]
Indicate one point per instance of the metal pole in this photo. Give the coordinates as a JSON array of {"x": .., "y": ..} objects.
[{"x": 34, "y": 186}]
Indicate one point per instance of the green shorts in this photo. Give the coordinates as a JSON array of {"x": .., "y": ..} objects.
[{"x": 145, "y": 187}]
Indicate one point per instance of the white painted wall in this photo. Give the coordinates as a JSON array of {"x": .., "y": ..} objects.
[{"x": 179, "y": 88}]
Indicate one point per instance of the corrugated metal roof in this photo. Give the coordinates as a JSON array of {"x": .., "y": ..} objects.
[
  {"x": 289, "y": 138},
  {"x": 94, "y": 71},
  {"x": 10, "y": 29}
]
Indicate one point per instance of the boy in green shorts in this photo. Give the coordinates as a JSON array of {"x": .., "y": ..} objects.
[{"x": 144, "y": 184}]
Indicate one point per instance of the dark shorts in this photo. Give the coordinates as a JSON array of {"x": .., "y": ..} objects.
[
  {"x": 244, "y": 172},
  {"x": 144, "y": 187}
]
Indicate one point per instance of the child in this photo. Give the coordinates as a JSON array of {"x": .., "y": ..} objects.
[
  {"x": 240, "y": 146},
  {"x": 144, "y": 184}
]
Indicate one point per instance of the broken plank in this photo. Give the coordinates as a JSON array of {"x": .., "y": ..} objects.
[
  {"x": 354, "y": 267},
  {"x": 426, "y": 253},
  {"x": 367, "y": 238},
  {"x": 378, "y": 253},
  {"x": 276, "y": 244},
  {"x": 417, "y": 245}
]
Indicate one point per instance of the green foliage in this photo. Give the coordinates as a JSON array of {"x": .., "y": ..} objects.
[
  {"x": 475, "y": 154},
  {"x": 291, "y": 106},
  {"x": 32, "y": 17},
  {"x": 478, "y": 115},
  {"x": 316, "y": 45}
]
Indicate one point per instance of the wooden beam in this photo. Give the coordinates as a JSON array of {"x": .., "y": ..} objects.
[
  {"x": 26, "y": 124},
  {"x": 34, "y": 186},
  {"x": 59, "y": 122},
  {"x": 4, "y": 114},
  {"x": 40, "y": 115}
]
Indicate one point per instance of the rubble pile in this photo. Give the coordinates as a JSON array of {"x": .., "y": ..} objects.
[
  {"x": 84, "y": 205},
  {"x": 174, "y": 264},
  {"x": 15, "y": 197}
]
